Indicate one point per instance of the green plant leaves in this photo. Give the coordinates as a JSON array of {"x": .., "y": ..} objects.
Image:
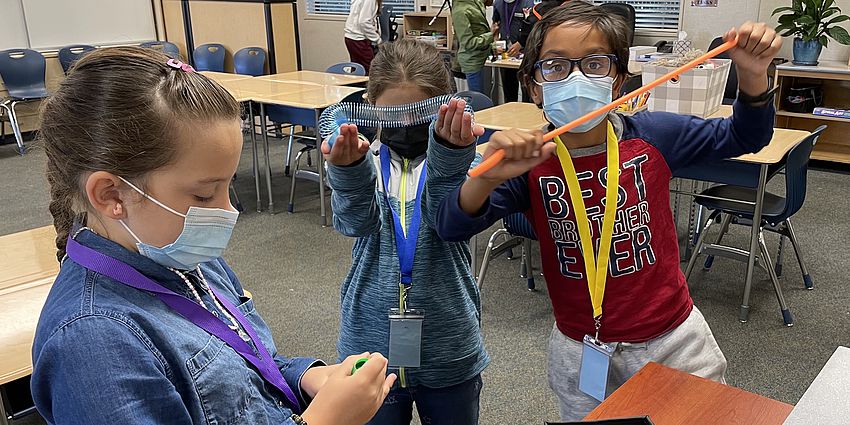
[{"x": 839, "y": 34}]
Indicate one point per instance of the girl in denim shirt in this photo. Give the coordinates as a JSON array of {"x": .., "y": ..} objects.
[{"x": 140, "y": 152}]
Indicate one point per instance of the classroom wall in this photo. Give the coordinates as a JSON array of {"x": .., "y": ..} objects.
[{"x": 703, "y": 24}]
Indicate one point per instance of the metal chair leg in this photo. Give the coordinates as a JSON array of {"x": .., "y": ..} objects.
[
  {"x": 289, "y": 150},
  {"x": 236, "y": 197},
  {"x": 485, "y": 261},
  {"x": 765, "y": 257},
  {"x": 16, "y": 129},
  {"x": 291, "y": 206},
  {"x": 807, "y": 279},
  {"x": 778, "y": 266},
  {"x": 698, "y": 246},
  {"x": 724, "y": 227},
  {"x": 473, "y": 253},
  {"x": 527, "y": 264}
]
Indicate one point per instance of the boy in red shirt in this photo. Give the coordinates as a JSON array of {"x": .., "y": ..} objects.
[{"x": 576, "y": 57}]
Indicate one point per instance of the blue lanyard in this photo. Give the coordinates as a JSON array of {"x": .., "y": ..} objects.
[
  {"x": 405, "y": 245},
  {"x": 510, "y": 17},
  {"x": 126, "y": 274}
]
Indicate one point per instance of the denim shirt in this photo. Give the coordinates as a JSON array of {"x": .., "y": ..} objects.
[{"x": 106, "y": 353}]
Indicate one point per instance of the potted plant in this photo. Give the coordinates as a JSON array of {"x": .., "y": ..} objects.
[{"x": 813, "y": 23}]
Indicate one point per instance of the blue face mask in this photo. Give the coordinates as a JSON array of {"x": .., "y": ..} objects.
[
  {"x": 575, "y": 96},
  {"x": 206, "y": 233}
]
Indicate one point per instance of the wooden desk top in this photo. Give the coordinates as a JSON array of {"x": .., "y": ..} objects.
[
  {"x": 511, "y": 63},
  {"x": 317, "y": 97},
  {"x": 669, "y": 397},
  {"x": 256, "y": 87},
  {"x": 28, "y": 267},
  {"x": 27, "y": 257},
  {"x": 224, "y": 76},
  {"x": 783, "y": 140},
  {"x": 315, "y": 77},
  {"x": 524, "y": 116},
  {"x": 19, "y": 312}
]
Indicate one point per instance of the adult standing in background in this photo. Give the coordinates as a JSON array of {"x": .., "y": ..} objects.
[
  {"x": 509, "y": 15},
  {"x": 475, "y": 39},
  {"x": 361, "y": 31}
]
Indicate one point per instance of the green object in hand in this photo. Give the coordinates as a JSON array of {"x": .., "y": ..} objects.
[{"x": 360, "y": 362}]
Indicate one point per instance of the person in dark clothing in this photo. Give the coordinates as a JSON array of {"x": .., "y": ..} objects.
[{"x": 509, "y": 16}]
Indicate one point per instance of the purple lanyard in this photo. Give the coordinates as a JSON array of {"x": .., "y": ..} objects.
[
  {"x": 511, "y": 16},
  {"x": 124, "y": 273}
]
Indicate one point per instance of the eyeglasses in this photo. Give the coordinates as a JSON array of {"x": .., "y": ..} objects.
[{"x": 592, "y": 66}]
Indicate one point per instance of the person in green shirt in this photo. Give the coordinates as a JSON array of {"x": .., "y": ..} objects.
[{"x": 475, "y": 38}]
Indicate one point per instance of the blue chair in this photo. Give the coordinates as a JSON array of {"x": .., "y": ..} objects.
[
  {"x": 347, "y": 68},
  {"x": 389, "y": 26},
  {"x": 22, "y": 71},
  {"x": 517, "y": 231},
  {"x": 731, "y": 204},
  {"x": 250, "y": 61},
  {"x": 209, "y": 57},
  {"x": 166, "y": 47},
  {"x": 70, "y": 54},
  {"x": 478, "y": 101}
]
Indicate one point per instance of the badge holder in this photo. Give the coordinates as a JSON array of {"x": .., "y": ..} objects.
[
  {"x": 405, "y": 337},
  {"x": 595, "y": 363}
]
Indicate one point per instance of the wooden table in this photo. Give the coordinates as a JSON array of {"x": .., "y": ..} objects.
[
  {"x": 519, "y": 115},
  {"x": 510, "y": 63},
  {"x": 669, "y": 397},
  {"x": 301, "y": 107},
  {"x": 315, "y": 77},
  {"x": 224, "y": 76},
  {"x": 28, "y": 267}
]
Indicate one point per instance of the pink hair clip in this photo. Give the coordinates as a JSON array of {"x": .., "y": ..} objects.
[{"x": 176, "y": 64}]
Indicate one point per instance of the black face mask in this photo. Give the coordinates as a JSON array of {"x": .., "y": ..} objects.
[{"x": 409, "y": 142}]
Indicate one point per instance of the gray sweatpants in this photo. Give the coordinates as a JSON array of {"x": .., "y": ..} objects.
[{"x": 690, "y": 348}]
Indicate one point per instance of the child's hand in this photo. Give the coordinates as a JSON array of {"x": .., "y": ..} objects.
[
  {"x": 347, "y": 148},
  {"x": 316, "y": 377},
  {"x": 757, "y": 45},
  {"x": 347, "y": 399},
  {"x": 455, "y": 125},
  {"x": 514, "y": 50},
  {"x": 523, "y": 151}
]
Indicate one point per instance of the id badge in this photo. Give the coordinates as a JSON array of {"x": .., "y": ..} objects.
[
  {"x": 595, "y": 362},
  {"x": 405, "y": 337}
]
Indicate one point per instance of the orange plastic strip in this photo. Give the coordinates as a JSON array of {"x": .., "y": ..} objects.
[{"x": 499, "y": 155}]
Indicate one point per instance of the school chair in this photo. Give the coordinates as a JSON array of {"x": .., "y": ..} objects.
[
  {"x": 22, "y": 72},
  {"x": 517, "y": 231},
  {"x": 311, "y": 145},
  {"x": 250, "y": 61},
  {"x": 627, "y": 11},
  {"x": 70, "y": 54},
  {"x": 347, "y": 68},
  {"x": 209, "y": 57},
  {"x": 477, "y": 101},
  {"x": 389, "y": 26},
  {"x": 166, "y": 47},
  {"x": 732, "y": 204}
]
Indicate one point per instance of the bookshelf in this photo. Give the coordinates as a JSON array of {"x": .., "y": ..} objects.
[
  {"x": 439, "y": 34},
  {"x": 834, "y": 79}
]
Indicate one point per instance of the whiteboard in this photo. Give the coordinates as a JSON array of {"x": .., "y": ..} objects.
[
  {"x": 13, "y": 31},
  {"x": 51, "y": 24}
]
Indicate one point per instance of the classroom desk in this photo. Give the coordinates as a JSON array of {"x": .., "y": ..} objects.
[
  {"x": 224, "y": 76},
  {"x": 782, "y": 142},
  {"x": 315, "y": 77},
  {"x": 28, "y": 267},
  {"x": 827, "y": 400},
  {"x": 510, "y": 63},
  {"x": 669, "y": 396},
  {"x": 304, "y": 108},
  {"x": 519, "y": 115}
]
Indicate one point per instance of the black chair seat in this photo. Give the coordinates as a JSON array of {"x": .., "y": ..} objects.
[{"x": 773, "y": 205}]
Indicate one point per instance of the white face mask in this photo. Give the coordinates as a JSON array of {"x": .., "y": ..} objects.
[
  {"x": 566, "y": 100},
  {"x": 206, "y": 233}
]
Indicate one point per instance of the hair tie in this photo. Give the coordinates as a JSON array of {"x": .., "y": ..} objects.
[{"x": 176, "y": 64}]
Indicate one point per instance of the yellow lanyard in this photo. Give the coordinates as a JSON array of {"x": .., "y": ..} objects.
[{"x": 596, "y": 271}]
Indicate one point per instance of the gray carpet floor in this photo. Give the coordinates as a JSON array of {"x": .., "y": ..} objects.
[{"x": 294, "y": 266}]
